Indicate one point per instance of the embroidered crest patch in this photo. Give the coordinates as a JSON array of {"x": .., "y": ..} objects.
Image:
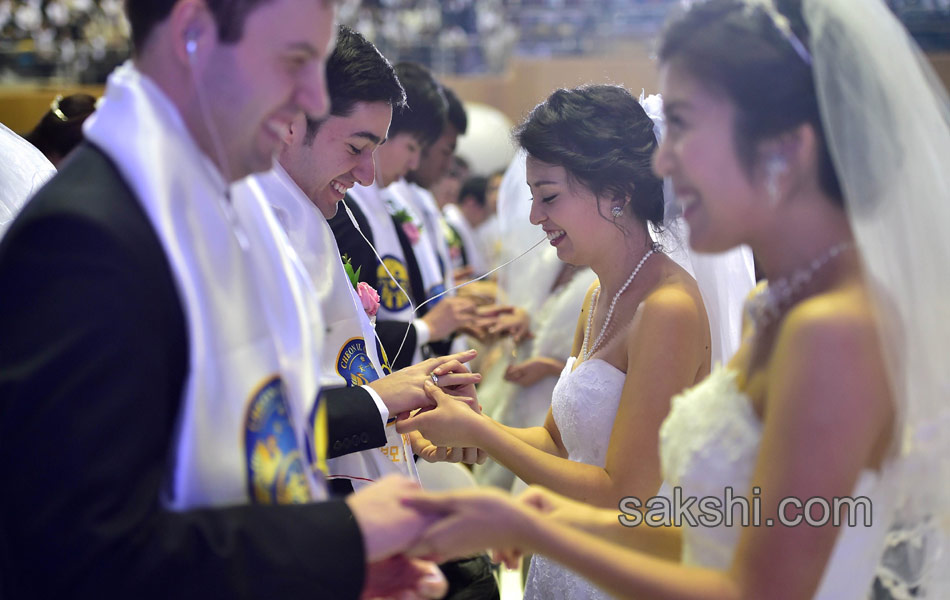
[
  {"x": 387, "y": 370},
  {"x": 390, "y": 295},
  {"x": 275, "y": 469},
  {"x": 354, "y": 365}
]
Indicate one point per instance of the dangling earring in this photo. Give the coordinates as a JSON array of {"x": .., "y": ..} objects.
[
  {"x": 616, "y": 211},
  {"x": 774, "y": 168}
]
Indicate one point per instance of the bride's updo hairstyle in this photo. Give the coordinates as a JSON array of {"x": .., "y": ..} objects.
[
  {"x": 735, "y": 49},
  {"x": 604, "y": 140}
]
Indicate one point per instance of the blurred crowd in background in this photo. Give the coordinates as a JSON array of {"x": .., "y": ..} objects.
[{"x": 83, "y": 40}]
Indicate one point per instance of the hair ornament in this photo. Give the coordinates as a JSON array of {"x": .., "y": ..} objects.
[{"x": 778, "y": 19}]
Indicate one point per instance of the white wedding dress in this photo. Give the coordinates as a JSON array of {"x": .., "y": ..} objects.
[
  {"x": 709, "y": 441},
  {"x": 584, "y": 406}
]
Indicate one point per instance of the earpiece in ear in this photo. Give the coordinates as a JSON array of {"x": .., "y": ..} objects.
[
  {"x": 775, "y": 167},
  {"x": 191, "y": 42}
]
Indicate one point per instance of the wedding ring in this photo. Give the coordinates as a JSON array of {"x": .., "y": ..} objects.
[{"x": 434, "y": 378}]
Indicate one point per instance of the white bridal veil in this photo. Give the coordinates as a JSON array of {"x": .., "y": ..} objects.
[{"x": 887, "y": 124}]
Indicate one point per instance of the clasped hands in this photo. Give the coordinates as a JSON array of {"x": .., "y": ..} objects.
[
  {"x": 468, "y": 521},
  {"x": 405, "y": 530},
  {"x": 446, "y": 430},
  {"x": 413, "y": 389},
  {"x": 496, "y": 320}
]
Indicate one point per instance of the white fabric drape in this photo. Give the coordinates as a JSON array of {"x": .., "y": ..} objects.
[{"x": 254, "y": 330}]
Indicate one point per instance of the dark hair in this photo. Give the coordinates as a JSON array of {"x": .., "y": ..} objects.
[
  {"x": 426, "y": 107},
  {"x": 604, "y": 140},
  {"x": 739, "y": 52},
  {"x": 58, "y": 134},
  {"x": 456, "y": 112},
  {"x": 357, "y": 72},
  {"x": 474, "y": 187},
  {"x": 229, "y": 15}
]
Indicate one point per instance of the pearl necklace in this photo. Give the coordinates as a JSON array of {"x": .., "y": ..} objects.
[
  {"x": 610, "y": 311},
  {"x": 768, "y": 305}
]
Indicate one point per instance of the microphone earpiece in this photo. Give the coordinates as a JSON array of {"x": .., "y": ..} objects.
[{"x": 191, "y": 42}]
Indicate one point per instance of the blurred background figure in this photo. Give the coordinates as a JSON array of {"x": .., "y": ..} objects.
[
  {"x": 446, "y": 190},
  {"x": 60, "y": 129},
  {"x": 465, "y": 216}
]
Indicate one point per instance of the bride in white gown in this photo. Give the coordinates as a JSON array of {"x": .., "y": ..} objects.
[
  {"x": 815, "y": 133},
  {"x": 642, "y": 335}
]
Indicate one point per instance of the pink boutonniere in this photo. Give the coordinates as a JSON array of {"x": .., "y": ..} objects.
[
  {"x": 367, "y": 295},
  {"x": 412, "y": 232},
  {"x": 409, "y": 227}
]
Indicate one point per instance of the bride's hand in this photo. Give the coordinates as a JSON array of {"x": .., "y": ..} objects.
[
  {"x": 516, "y": 323},
  {"x": 471, "y": 521},
  {"x": 429, "y": 452},
  {"x": 451, "y": 423},
  {"x": 456, "y": 379},
  {"x": 570, "y": 512},
  {"x": 534, "y": 370}
]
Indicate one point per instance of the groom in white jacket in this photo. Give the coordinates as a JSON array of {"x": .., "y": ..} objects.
[
  {"x": 320, "y": 161},
  {"x": 158, "y": 345}
]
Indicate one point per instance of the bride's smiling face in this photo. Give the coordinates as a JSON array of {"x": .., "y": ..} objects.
[
  {"x": 720, "y": 203},
  {"x": 568, "y": 213}
]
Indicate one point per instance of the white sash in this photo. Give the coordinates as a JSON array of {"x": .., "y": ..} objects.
[
  {"x": 253, "y": 339},
  {"x": 393, "y": 304},
  {"x": 404, "y": 195},
  {"x": 473, "y": 249},
  {"x": 347, "y": 359}
]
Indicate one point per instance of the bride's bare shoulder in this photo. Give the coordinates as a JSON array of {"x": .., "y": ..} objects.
[
  {"x": 828, "y": 360},
  {"x": 676, "y": 294}
]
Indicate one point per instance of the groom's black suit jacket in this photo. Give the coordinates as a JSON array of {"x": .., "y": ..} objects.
[{"x": 93, "y": 360}]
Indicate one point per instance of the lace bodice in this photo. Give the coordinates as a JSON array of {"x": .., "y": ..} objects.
[
  {"x": 584, "y": 405},
  {"x": 710, "y": 441}
]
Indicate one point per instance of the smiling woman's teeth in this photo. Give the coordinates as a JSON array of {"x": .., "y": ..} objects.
[{"x": 553, "y": 235}]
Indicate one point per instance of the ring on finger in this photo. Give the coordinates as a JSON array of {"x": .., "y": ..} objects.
[{"x": 434, "y": 378}]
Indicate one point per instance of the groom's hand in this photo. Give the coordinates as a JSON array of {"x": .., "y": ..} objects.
[
  {"x": 389, "y": 527},
  {"x": 405, "y": 579},
  {"x": 451, "y": 423},
  {"x": 403, "y": 391}
]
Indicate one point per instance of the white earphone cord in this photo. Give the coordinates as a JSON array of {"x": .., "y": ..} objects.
[
  {"x": 191, "y": 47},
  {"x": 415, "y": 308}
]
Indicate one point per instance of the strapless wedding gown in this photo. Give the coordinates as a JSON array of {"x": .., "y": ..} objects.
[
  {"x": 584, "y": 405},
  {"x": 710, "y": 441}
]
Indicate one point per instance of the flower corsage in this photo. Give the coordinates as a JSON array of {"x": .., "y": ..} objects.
[
  {"x": 367, "y": 295},
  {"x": 408, "y": 225}
]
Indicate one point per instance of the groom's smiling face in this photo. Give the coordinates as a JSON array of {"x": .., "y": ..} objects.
[{"x": 339, "y": 154}]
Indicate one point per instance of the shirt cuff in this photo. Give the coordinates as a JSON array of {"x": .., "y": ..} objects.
[
  {"x": 423, "y": 334},
  {"x": 383, "y": 409}
]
